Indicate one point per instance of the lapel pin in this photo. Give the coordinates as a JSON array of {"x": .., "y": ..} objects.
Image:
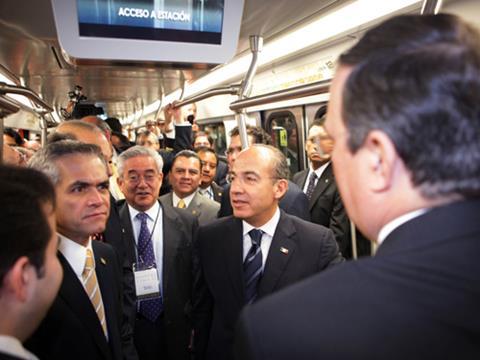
[
  {"x": 284, "y": 250},
  {"x": 103, "y": 261},
  {"x": 326, "y": 180},
  {"x": 194, "y": 212}
]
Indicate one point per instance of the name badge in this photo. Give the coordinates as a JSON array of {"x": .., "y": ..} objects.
[{"x": 147, "y": 284}]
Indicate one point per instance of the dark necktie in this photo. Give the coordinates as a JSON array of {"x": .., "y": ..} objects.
[
  {"x": 149, "y": 308},
  {"x": 252, "y": 267},
  {"x": 311, "y": 185}
]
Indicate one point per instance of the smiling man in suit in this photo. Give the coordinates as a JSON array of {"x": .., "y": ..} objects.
[
  {"x": 257, "y": 251},
  {"x": 318, "y": 183},
  {"x": 160, "y": 240},
  {"x": 85, "y": 320},
  {"x": 185, "y": 178}
]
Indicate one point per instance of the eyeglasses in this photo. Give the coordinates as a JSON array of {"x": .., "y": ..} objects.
[{"x": 135, "y": 178}]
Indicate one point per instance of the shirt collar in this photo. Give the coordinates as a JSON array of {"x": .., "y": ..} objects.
[
  {"x": 13, "y": 346},
  {"x": 395, "y": 223},
  {"x": 188, "y": 199},
  {"x": 320, "y": 170},
  {"x": 151, "y": 213},
  {"x": 268, "y": 228},
  {"x": 75, "y": 253}
]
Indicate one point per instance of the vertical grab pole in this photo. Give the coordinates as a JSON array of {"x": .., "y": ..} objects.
[{"x": 256, "y": 44}]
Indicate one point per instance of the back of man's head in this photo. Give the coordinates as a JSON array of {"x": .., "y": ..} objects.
[
  {"x": 417, "y": 79},
  {"x": 28, "y": 199}
]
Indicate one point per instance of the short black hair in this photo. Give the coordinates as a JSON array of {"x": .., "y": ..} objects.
[
  {"x": 417, "y": 79},
  {"x": 186, "y": 154},
  {"x": 14, "y": 134},
  {"x": 24, "y": 194},
  {"x": 114, "y": 124},
  {"x": 204, "y": 149}
]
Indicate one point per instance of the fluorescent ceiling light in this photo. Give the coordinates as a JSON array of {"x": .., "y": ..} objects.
[{"x": 347, "y": 18}]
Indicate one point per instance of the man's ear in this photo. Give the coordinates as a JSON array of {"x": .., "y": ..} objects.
[
  {"x": 18, "y": 278},
  {"x": 280, "y": 188},
  {"x": 381, "y": 160}
]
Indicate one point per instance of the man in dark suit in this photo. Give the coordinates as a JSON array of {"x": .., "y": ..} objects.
[
  {"x": 85, "y": 320},
  {"x": 160, "y": 238},
  {"x": 114, "y": 233},
  {"x": 30, "y": 273},
  {"x": 294, "y": 202},
  {"x": 318, "y": 183},
  {"x": 258, "y": 251},
  {"x": 208, "y": 187},
  {"x": 406, "y": 162}
]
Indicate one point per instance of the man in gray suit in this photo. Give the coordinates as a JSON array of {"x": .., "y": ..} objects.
[
  {"x": 160, "y": 246},
  {"x": 185, "y": 177}
]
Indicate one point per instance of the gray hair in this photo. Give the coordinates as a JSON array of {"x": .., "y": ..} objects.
[
  {"x": 136, "y": 151},
  {"x": 45, "y": 159},
  {"x": 278, "y": 161}
]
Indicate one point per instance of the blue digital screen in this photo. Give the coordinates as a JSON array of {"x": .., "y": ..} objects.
[{"x": 196, "y": 21}]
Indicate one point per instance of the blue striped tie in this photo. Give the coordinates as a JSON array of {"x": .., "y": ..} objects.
[
  {"x": 252, "y": 267},
  {"x": 149, "y": 308}
]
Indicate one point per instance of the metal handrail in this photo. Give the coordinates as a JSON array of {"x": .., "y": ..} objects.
[
  {"x": 316, "y": 88},
  {"x": 431, "y": 7},
  {"x": 21, "y": 90},
  {"x": 222, "y": 90}
]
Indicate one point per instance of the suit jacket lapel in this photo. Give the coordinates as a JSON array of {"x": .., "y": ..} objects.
[
  {"x": 73, "y": 293},
  {"x": 323, "y": 183},
  {"x": 129, "y": 235},
  {"x": 232, "y": 243},
  {"x": 302, "y": 179},
  {"x": 281, "y": 250},
  {"x": 171, "y": 240}
]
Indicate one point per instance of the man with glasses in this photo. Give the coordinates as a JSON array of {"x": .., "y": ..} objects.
[
  {"x": 159, "y": 250},
  {"x": 256, "y": 252},
  {"x": 293, "y": 202}
]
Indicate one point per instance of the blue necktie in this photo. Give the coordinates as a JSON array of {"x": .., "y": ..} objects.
[
  {"x": 252, "y": 267},
  {"x": 149, "y": 308},
  {"x": 311, "y": 185}
]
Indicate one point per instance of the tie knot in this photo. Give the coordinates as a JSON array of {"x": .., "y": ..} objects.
[
  {"x": 313, "y": 176},
  {"x": 181, "y": 204},
  {"x": 88, "y": 261},
  {"x": 256, "y": 236},
  {"x": 142, "y": 216}
]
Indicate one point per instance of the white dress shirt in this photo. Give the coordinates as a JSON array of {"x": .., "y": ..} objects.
[
  {"x": 155, "y": 224},
  {"x": 268, "y": 230},
  {"x": 318, "y": 172},
  {"x": 12, "y": 346},
  {"x": 395, "y": 223},
  {"x": 187, "y": 200}
]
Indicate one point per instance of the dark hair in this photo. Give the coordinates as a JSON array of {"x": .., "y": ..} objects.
[
  {"x": 14, "y": 134},
  {"x": 417, "y": 78},
  {"x": 114, "y": 124},
  {"x": 44, "y": 160},
  {"x": 204, "y": 149},
  {"x": 25, "y": 231},
  {"x": 259, "y": 135},
  {"x": 186, "y": 154},
  {"x": 317, "y": 122}
]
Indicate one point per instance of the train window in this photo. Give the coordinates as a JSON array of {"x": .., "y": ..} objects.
[
  {"x": 217, "y": 132},
  {"x": 283, "y": 129}
]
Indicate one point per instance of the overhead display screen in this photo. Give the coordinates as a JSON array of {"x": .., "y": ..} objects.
[
  {"x": 197, "y": 21},
  {"x": 172, "y": 31}
]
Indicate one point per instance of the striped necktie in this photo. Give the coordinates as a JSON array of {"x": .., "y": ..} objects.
[
  {"x": 252, "y": 267},
  {"x": 311, "y": 185},
  {"x": 93, "y": 291}
]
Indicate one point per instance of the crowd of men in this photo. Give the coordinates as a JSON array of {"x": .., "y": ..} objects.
[{"x": 164, "y": 249}]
